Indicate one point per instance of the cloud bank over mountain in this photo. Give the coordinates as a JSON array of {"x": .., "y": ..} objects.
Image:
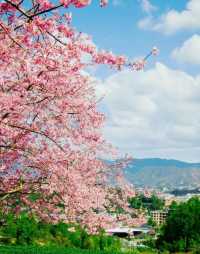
[{"x": 154, "y": 112}]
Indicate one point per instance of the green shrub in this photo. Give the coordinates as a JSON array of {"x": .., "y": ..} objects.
[
  {"x": 21, "y": 230},
  {"x": 27, "y": 230}
]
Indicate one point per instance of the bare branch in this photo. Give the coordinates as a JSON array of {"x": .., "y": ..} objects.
[
  {"x": 13, "y": 40},
  {"x": 36, "y": 132},
  {"x": 48, "y": 10},
  {"x": 17, "y": 7},
  {"x": 6, "y": 194},
  {"x": 56, "y": 38},
  {"x": 39, "y": 101}
]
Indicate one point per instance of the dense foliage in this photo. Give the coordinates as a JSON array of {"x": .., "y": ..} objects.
[
  {"x": 28, "y": 230},
  {"x": 150, "y": 203},
  {"x": 182, "y": 229}
]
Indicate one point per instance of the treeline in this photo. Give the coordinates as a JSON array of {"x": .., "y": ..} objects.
[{"x": 184, "y": 192}]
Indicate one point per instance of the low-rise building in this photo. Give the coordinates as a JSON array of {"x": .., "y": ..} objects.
[{"x": 159, "y": 217}]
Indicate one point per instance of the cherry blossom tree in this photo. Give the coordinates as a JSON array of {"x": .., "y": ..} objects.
[{"x": 50, "y": 129}]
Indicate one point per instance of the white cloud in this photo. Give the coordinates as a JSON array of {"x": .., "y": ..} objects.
[
  {"x": 146, "y": 23},
  {"x": 189, "y": 51},
  {"x": 154, "y": 113},
  {"x": 174, "y": 20},
  {"x": 147, "y": 6}
]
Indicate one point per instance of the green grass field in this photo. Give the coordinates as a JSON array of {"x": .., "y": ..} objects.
[
  {"x": 45, "y": 250},
  {"x": 57, "y": 250}
]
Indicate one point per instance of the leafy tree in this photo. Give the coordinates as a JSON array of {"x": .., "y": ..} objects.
[
  {"x": 156, "y": 203},
  {"x": 136, "y": 202},
  {"x": 151, "y": 203},
  {"x": 182, "y": 229},
  {"x": 151, "y": 222}
]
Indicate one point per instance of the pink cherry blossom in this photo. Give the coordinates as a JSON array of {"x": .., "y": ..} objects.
[
  {"x": 51, "y": 140},
  {"x": 68, "y": 17},
  {"x": 155, "y": 51},
  {"x": 103, "y": 3},
  {"x": 81, "y": 3}
]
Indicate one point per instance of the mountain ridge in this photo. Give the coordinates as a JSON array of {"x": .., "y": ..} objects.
[{"x": 163, "y": 173}]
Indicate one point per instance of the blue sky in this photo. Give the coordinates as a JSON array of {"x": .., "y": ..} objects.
[
  {"x": 116, "y": 27},
  {"x": 153, "y": 113}
]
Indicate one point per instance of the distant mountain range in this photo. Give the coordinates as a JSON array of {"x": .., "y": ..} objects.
[{"x": 163, "y": 174}]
